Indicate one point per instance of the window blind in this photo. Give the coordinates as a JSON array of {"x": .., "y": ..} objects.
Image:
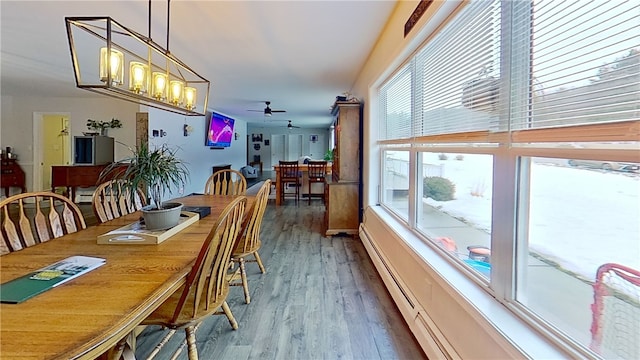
[
  {"x": 459, "y": 73},
  {"x": 569, "y": 64},
  {"x": 584, "y": 66},
  {"x": 395, "y": 106}
]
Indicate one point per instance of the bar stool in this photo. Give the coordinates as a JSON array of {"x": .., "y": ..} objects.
[
  {"x": 317, "y": 173},
  {"x": 289, "y": 175}
]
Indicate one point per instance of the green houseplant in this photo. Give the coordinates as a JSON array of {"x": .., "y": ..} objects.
[
  {"x": 328, "y": 155},
  {"x": 156, "y": 171},
  {"x": 103, "y": 126}
]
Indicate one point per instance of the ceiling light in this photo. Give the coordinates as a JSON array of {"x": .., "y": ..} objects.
[{"x": 104, "y": 53}]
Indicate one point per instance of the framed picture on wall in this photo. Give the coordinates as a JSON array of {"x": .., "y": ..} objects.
[
  {"x": 266, "y": 142},
  {"x": 313, "y": 138},
  {"x": 256, "y": 137}
]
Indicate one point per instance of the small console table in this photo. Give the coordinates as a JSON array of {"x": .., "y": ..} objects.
[
  {"x": 221, "y": 167},
  {"x": 74, "y": 176},
  {"x": 254, "y": 163},
  {"x": 11, "y": 175}
]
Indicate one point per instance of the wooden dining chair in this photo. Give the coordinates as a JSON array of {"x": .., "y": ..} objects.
[
  {"x": 289, "y": 176},
  {"x": 207, "y": 285},
  {"x": 317, "y": 171},
  {"x": 249, "y": 242},
  {"x": 226, "y": 182},
  {"x": 29, "y": 219},
  {"x": 112, "y": 200}
]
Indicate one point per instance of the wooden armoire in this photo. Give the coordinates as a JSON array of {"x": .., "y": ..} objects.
[{"x": 343, "y": 190}]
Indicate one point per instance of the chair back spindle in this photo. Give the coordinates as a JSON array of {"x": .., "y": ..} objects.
[
  {"x": 249, "y": 242},
  {"x": 207, "y": 285},
  {"x": 317, "y": 171},
  {"x": 289, "y": 175},
  {"x": 112, "y": 199},
  {"x": 32, "y": 218},
  {"x": 226, "y": 182}
]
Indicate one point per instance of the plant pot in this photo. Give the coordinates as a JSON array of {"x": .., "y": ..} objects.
[{"x": 166, "y": 218}]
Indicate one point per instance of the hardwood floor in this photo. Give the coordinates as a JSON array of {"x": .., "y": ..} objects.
[{"x": 320, "y": 298}]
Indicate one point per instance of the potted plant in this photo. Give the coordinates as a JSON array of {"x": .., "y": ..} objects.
[
  {"x": 156, "y": 171},
  {"x": 329, "y": 155},
  {"x": 103, "y": 126}
]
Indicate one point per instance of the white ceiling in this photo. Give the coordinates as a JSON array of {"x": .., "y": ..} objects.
[{"x": 297, "y": 54}]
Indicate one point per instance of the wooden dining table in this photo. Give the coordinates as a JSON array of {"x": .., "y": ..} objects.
[{"x": 90, "y": 314}]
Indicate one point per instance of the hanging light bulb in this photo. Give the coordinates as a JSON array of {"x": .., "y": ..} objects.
[
  {"x": 176, "y": 92},
  {"x": 159, "y": 90},
  {"x": 115, "y": 61},
  {"x": 190, "y": 95},
  {"x": 138, "y": 77}
]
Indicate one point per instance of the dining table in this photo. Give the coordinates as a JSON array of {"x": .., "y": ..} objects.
[{"x": 89, "y": 315}]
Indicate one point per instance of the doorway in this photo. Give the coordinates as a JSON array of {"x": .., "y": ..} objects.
[{"x": 51, "y": 146}]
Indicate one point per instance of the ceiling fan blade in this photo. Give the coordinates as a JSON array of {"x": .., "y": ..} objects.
[{"x": 278, "y": 111}]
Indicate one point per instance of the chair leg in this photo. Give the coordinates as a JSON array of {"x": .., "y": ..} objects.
[
  {"x": 259, "y": 261},
  {"x": 162, "y": 343},
  {"x": 245, "y": 283},
  {"x": 227, "y": 311},
  {"x": 191, "y": 343}
]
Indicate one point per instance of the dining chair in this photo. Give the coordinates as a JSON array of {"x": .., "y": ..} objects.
[
  {"x": 207, "y": 286},
  {"x": 226, "y": 182},
  {"x": 317, "y": 174},
  {"x": 289, "y": 176},
  {"x": 250, "y": 242},
  {"x": 32, "y": 218},
  {"x": 112, "y": 200}
]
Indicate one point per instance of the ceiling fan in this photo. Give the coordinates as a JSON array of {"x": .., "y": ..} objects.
[
  {"x": 268, "y": 111},
  {"x": 291, "y": 126}
]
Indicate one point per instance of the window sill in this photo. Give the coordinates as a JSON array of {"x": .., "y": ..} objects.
[{"x": 494, "y": 317}]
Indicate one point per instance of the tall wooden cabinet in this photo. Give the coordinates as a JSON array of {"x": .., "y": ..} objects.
[{"x": 343, "y": 190}]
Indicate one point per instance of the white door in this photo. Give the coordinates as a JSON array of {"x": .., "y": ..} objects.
[
  {"x": 52, "y": 146},
  {"x": 294, "y": 148},
  {"x": 277, "y": 148},
  {"x": 317, "y": 148}
]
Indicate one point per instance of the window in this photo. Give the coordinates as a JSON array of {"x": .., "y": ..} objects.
[
  {"x": 511, "y": 141},
  {"x": 395, "y": 182},
  {"x": 455, "y": 205}
]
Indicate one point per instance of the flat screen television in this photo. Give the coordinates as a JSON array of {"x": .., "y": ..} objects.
[{"x": 220, "y": 131}]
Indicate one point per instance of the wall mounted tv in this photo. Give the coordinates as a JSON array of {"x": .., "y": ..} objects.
[{"x": 220, "y": 131}]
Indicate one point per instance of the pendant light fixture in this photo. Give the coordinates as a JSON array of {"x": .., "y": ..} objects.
[{"x": 104, "y": 53}]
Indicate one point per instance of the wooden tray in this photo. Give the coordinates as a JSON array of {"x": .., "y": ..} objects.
[{"x": 136, "y": 233}]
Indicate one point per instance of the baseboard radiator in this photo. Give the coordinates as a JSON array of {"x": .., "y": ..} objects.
[{"x": 435, "y": 315}]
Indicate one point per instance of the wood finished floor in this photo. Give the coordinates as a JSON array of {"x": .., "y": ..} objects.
[{"x": 320, "y": 298}]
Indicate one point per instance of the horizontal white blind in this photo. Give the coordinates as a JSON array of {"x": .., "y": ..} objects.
[
  {"x": 584, "y": 63},
  {"x": 459, "y": 73},
  {"x": 395, "y": 106}
]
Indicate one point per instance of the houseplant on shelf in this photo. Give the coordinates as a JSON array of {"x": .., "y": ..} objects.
[
  {"x": 103, "y": 126},
  {"x": 155, "y": 170}
]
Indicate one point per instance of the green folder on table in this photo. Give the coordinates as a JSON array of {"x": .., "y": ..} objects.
[{"x": 32, "y": 284}]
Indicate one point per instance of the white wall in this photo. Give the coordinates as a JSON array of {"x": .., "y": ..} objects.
[
  {"x": 199, "y": 158},
  {"x": 16, "y": 131},
  {"x": 267, "y": 132},
  {"x": 17, "y": 115}
]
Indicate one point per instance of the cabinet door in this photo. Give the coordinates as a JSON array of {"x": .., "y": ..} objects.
[
  {"x": 347, "y": 152},
  {"x": 342, "y": 209}
]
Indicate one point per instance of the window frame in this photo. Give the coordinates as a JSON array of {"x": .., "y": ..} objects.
[{"x": 509, "y": 149}]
